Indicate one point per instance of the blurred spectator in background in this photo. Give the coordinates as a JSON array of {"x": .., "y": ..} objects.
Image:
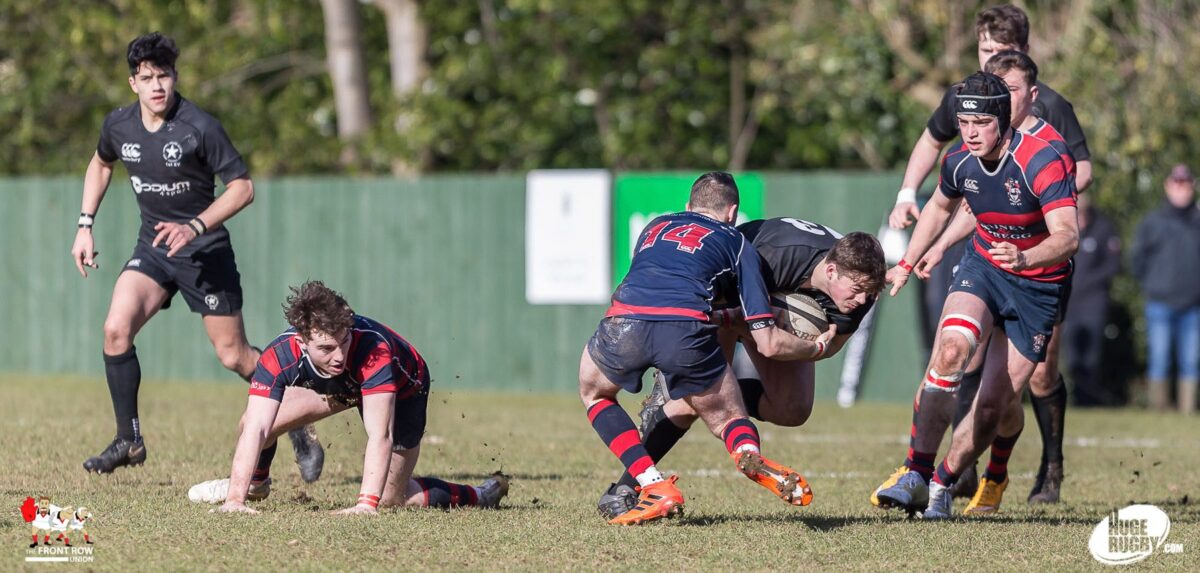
[
  {"x": 1098, "y": 260},
  {"x": 1166, "y": 262}
]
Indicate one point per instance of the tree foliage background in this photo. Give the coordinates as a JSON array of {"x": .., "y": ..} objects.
[{"x": 624, "y": 84}]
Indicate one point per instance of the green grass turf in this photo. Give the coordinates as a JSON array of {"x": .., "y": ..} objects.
[{"x": 144, "y": 522}]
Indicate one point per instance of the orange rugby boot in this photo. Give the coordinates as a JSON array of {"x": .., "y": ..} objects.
[
  {"x": 656, "y": 501},
  {"x": 783, "y": 481}
]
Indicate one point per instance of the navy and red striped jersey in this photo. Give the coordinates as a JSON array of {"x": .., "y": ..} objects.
[
  {"x": 1046, "y": 132},
  {"x": 379, "y": 360},
  {"x": 1010, "y": 201},
  {"x": 675, "y": 269}
]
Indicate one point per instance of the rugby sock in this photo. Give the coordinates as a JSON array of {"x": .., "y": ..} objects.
[
  {"x": 740, "y": 434},
  {"x": 262, "y": 470},
  {"x": 124, "y": 375},
  {"x": 917, "y": 461},
  {"x": 1002, "y": 447},
  {"x": 752, "y": 391},
  {"x": 46, "y": 539},
  {"x": 660, "y": 438},
  {"x": 967, "y": 389},
  {"x": 944, "y": 476},
  {"x": 616, "y": 429},
  {"x": 87, "y": 538},
  {"x": 442, "y": 494},
  {"x": 1050, "y": 412}
]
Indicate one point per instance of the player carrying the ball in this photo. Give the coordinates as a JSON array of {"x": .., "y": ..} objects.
[
  {"x": 842, "y": 274},
  {"x": 332, "y": 360},
  {"x": 660, "y": 317}
]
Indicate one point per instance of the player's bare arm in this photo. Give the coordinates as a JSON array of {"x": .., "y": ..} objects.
[
  {"x": 256, "y": 429},
  {"x": 921, "y": 161},
  {"x": 377, "y": 420},
  {"x": 176, "y": 235},
  {"x": 931, "y": 223},
  {"x": 961, "y": 226},
  {"x": 1083, "y": 175},
  {"x": 778, "y": 344},
  {"x": 733, "y": 318},
  {"x": 1058, "y": 247},
  {"x": 95, "y": 185}
]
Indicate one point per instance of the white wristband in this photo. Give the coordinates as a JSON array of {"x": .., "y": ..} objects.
[
  {"x": 906, "y": 195},
  {"x": 86, "y": 220}
]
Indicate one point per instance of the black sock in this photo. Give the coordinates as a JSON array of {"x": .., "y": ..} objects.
[
  {"x": 663, "y": 434},
  {"x": 262, "y": 470},
  {"x": 124, "y": 376},
  {"x": 1051, "y": 412},
  {"x": 752, "y": 391},
  {"x": 967, "y": 389}
]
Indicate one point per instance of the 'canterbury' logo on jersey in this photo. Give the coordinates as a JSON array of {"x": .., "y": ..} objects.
[
  {"x": 164, "y": 189},
  {"x": 971, "y": 185},
  {"x": 131, "y": 152}
]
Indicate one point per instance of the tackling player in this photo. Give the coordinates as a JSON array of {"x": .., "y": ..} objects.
[
  {"x": 172, "y": 150},
  {"x": 843, "y": 274},
  {"x": 331, "y": 360},
  {"x": 659, "y": 317},
  {"x": 1016, "y": 276},
  {"x": 998, "y": 29}
]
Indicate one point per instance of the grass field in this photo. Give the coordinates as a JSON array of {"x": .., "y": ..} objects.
[{"x": 144, "y": 522}]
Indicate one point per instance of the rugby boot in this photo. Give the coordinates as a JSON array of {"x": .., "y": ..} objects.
[
  {"x": 493, "y": 489},
  {"x": 967, "y": 484},
  {"x": 1048, "y": 485},
  {"x": 215, "y": 491},
  {"x": 910, "y": 493},
  {"x": 651, "y": 406},
  {"x": 121, "y": 452},
  {"x": 783, "y": 481},
  {"x": 889, "y": 482},
  {"x": 617, "y": 499},
  {"x": 656, "y": 501},
  {"x": 987, "y": 498},
  {"x": 310, "y": 456},
  {"x": 941, "y": 504}
]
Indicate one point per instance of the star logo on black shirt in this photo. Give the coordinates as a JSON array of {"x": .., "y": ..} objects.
[{"x": 172, "y": 153}]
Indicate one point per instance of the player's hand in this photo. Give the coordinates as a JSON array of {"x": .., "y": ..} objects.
[
  {"x": 1009, "y": 256},
  {"x": 359, "y": 509},
  {"x": 229, "y": 507},
  {"x": 897, "y": 276},
  {"x": 82, "y": 253},
  {"x": 903, "y": 215},
  {"x": 933, "y": 256},
  {"x": 175, "y": 235}
]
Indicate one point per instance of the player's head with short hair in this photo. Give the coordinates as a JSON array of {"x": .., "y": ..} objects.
[
  {"x": 716, "y": 194},
  {"x": 314, "y": 307},
  {"x": 1020, "y": 73},
  {"x": 860, "y": 256},
  {"x": 1001, "y": 28},
  {"x": 154, "y": 49},
  {"x": 984, "y": 109}
]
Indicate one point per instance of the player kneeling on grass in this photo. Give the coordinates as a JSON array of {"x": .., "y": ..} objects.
[
  {"x": 329, "y": 361},
  {"x": 841, "y": 274}
]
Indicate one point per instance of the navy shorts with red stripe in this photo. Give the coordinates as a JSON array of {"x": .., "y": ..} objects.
[
  {"x": 686, "y": 351},
  {"x": 1026, "y": 309}
]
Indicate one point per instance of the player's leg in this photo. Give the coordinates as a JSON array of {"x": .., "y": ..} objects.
[
  {"x": 136, "y": 298},
  {"x": 966, "y": 324},
  {"x": 1048, "y": 394},
  {"x": 783, "y": 391}
]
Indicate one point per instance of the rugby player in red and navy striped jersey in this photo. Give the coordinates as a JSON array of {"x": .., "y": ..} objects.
[
  {"x": 660, "y": 318},
  {"x": 1016, "y": 275},
  {"x": 329, "y": 361}
]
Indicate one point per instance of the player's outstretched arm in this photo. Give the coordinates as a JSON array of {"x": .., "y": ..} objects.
[
  {"x": 256, "y": 429},
  {"x": 778, "y": 344},
  {"x": 95, "y": 185},
  {"x": 932, "y": 222},
  {"x": 961, "y": 226},
  {"x": 921, "y": 161},
  {"x": 378, "y": 409}
]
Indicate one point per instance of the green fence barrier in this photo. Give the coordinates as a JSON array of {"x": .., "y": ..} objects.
[{"x": 441, "y": 259}]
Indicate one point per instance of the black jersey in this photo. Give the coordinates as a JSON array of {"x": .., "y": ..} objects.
[
  {"x": 171, "y": 170},
  {"x": 1049, "y": 105},
  {"x": 790, "y": 249}
]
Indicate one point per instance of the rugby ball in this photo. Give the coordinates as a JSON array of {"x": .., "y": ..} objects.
[{"x": 802, "y": 314}]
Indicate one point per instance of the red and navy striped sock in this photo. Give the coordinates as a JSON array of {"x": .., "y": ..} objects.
[
  {"x": 1002, "y": 447},
  {"x": 616, "y": 429},
  {"x": 443, "y": 494},
  {"x": 944, "y": 476},
  {"x": 917, "y": 461},
  {"x": 741, "y": 434},
  {"x": 262, "y": 470}
]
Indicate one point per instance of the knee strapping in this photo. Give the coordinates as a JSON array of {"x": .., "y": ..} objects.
[
  {"x": 965, "y": 325},
  {"x": 942, "y": 382}
]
